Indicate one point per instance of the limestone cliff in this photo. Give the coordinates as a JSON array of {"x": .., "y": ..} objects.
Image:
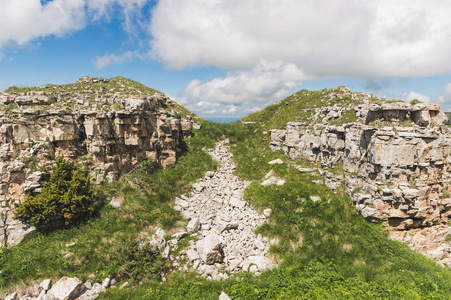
[
  {"x": 395, "y": 156},
  {"x": 108, "y": 125}
]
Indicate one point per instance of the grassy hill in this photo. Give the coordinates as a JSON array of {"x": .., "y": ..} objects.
[
  {"x": 326, "y": 250},
  {"x": 96, "y": 94}
]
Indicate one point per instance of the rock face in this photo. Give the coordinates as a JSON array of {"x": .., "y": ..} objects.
[
  {"x": 395, "y": 158},
  {"x": 110, "y": 131}
]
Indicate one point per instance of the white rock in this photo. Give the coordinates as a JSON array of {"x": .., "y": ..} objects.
[
  {"x": 66, "y": 288},
  {"x": 259, "y": 244},
  {"x": 12, "y": 296},
  {"x": 237, "y": 203},
  {"x": 280, "y": 182},
  {"x": 206, "y": 245},
  {"x": 224, "y": 296},
  {"x": 193, "y": 225},
  {"x": 267, "y": 182},
  {"x": 262, "y": 262},
  {"x": 253, "y": 269},
  {"x": 182, "y": 203},
  {"x": 192, "y": 255},
  {"x": 157, "y": 240},
  {"x": 315, "y": 198},
  {"x": 106, "y": 282},
  {"x": 46, "y": 284},
  {"x": 165, "y": 253},
  {"x": 276, "y": 161},
  {"x": 116, "y": 202},
  {"x": 179, "y": 235}
]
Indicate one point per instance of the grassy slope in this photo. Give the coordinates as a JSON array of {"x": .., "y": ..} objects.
[
  {"x": 148, "y": 201},
  {"x": 326, "y": 249},
  {"x": 68, "y": 93}
]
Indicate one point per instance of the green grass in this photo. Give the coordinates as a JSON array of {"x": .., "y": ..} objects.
[
  {"x": 148, "y": 202},
  {"x": 65, "y": 95},
  {"x": 326, "y": 249}
]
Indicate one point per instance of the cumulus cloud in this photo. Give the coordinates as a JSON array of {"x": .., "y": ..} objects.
[
  {"x": 263, "y": 83},
  {"x": 445, "y": 98},
  {"x": 256, "y": 42},
  {"x": 369, "y": 39},
  {"x": 412, "y": 95},
  {"x": 22, "y": 21},
  {"x": 104, "y": 61}
]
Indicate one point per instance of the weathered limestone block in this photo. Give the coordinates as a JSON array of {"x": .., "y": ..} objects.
[
  {"x": 401, "y": 172},
  {"x": 108, "y": 142}
]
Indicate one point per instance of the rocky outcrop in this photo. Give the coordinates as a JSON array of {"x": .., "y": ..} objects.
[
  {"x": 124, "y": 130},
  {"x": 395, "y": 159}
]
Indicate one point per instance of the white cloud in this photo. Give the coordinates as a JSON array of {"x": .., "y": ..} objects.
[
  {"x": 265, "y": 82},
  {"x": 373, "y": 40},
  {"x": 104, "y": 61},
  {"x": 412, "y": 95},
  {"x": 22, "y": 21},
  {"x": 445, "y": 98},
  {"x": 370, "y": 39}
]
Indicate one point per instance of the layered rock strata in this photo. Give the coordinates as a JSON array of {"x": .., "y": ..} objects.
[
  {"x": 109, "y": 142},
  {"x": 395, "y": 159}
]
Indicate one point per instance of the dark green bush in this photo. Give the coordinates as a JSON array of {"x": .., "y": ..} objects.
[{"x": 67, "y": 196}]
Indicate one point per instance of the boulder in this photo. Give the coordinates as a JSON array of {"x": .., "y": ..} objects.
[
  {"x": 46, "y": 284},
  {"x": 66, "y": 288},
  {"x": 262, "y": 262},
  {"x": 210, "y": 249},
  {"x": 193, "y": 225}
]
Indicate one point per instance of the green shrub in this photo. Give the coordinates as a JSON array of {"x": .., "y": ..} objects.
[
  {"x": 67, "y": 196},
  {"x": 135, "y": 260}
]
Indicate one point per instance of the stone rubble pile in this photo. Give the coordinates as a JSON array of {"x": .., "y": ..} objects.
[
  {"x": 66, "y": 289},
  {"x": 224, "y": 223}
]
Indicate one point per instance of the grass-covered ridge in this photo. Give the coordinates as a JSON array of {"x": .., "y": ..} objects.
[
  {"x": 97, "y": 95},
  {"x": 301, "y": 106}
]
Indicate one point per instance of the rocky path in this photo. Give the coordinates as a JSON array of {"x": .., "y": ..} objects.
[{"x": 224, "y": 222}]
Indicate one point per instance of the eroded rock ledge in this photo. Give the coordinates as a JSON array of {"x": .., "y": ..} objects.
[
  {"x": 395, "y": 159},
  {"x": 111, "y": 137}
]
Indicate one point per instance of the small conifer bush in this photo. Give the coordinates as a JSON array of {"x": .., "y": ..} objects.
[{"x": 67, "y": 196}]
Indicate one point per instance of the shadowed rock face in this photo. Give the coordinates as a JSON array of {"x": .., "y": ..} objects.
[
  {"x": 110, "y": 142},
  {"x": 395, "y": 171}
]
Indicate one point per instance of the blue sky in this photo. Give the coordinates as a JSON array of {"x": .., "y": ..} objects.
[{"x": 228, "y": 58}]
